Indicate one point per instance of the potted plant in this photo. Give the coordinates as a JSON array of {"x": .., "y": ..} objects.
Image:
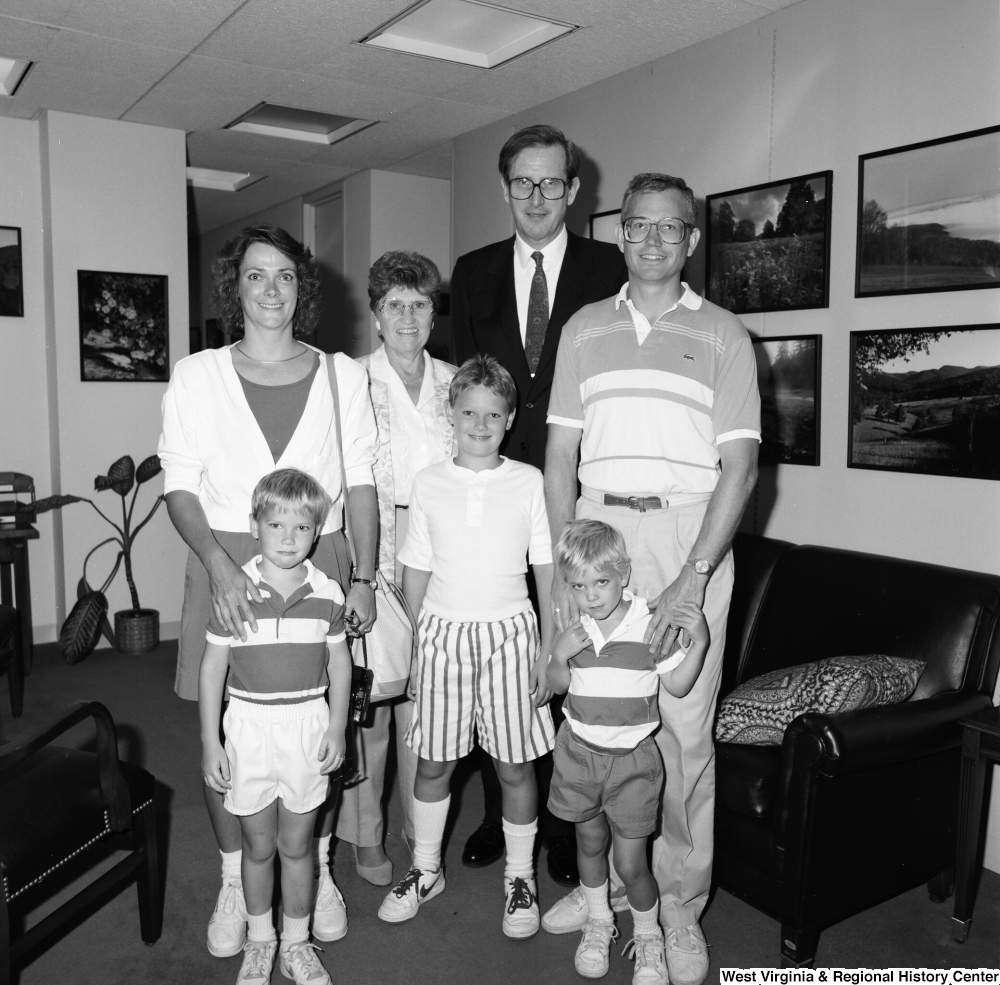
[{"x": 137, "y": 629}]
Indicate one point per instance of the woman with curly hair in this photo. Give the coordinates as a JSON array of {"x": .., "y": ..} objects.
[{"x": 231, "y": 416}]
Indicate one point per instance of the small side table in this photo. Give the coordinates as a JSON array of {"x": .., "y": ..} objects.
[
  {"x": 14, "y": 557},
  {"x": 980, "y": 746}
]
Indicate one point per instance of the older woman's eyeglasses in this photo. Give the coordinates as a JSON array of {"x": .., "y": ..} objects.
[
  {"x": 521, "y": 189},
  {"x": 672, "y": 231},
  {"x": 394, "y": 308}
]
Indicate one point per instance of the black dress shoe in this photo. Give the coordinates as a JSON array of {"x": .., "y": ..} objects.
[
  {"x": 561, "y": 861},
  {"x": 485, "y": 845}
]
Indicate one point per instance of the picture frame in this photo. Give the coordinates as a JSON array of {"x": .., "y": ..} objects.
[
  {"x": 788, "y": 375},
  {"x": 603, "y": 225},
  {"x": 768, "y": 245},
  {"x": 214, "y": 337},
  {"x": 124, "y": 323},
  {"x": 929, "y": 216},
  {"x": 11, "y": 273},
  {"x": 926, "y": 400}
]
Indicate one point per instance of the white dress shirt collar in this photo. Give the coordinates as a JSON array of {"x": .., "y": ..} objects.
[
  {"x": 552, "y": 254},
  {"x": 642, "y": 324}
]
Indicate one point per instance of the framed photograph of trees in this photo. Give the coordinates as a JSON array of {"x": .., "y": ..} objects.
[
  {"x": 769, "y": 245},
  {"x": 926, "y": 400},
  {"x": 929, "y": 216},
  {"x": 123, "y": 326},
  {"x": 788, "y": 368},
  {"x": 11, "y": 273}
]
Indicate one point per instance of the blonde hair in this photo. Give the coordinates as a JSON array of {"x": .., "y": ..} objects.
[
  {"x": 293, "y": 489},
  {"x": 591, "y": 543}
]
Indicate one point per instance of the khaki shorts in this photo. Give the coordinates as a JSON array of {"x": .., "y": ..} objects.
[
  {"x": 625, "y": 786},
  {"x": 273, "y": 752}
]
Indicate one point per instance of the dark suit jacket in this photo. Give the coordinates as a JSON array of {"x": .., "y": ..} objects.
[{"x": 484, "y": 319}]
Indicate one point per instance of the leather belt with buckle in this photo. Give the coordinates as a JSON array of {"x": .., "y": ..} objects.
[{"x": 640, "y": 503}]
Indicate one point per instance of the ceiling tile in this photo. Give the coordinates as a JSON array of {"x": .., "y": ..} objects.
[
  {"x": 19, "y": 39},
  {"x": 167, "y": 23},
  {"x": 74, "y": 91},
  {"x": 396, "y": 69},
  {"x": 139, "y": 64},
  {"x": 43, "y": 11},
  {"x": 433, "y": 163},
  {"x": 207, "y": 146}
]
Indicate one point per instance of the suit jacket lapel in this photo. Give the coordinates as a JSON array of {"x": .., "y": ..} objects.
[{"x": 505, "y": 300}]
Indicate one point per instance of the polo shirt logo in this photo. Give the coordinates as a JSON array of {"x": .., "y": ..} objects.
[{"x": 687, "y": 355}]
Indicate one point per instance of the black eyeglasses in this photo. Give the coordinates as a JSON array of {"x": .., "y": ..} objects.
[
  {"x": 672, "y": 231},
  {"x": 523, "y": 188}
]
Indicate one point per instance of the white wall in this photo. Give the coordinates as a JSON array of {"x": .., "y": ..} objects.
[{"x": 806, "y": 89}]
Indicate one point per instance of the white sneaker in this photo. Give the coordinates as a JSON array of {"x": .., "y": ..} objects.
[
  {"x": 650, "y": 960},
  {"x": 687, "y": 955},
  {"x": 520, "y": 914},
  {"x": 592, "y": 952},
  {"x": 258, "y": 960},
  {"x": 298, "y": 961},
  {"x": 571, "y": 913},
  {"x": 405, "y": 898},
  {"x": 330, "y": 914},
  {"x": 227, "y": 927}
]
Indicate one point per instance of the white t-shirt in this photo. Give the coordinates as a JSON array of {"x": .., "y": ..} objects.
[{"x": 476, "y": 532}]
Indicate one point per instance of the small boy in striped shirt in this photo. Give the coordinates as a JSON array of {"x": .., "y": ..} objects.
[
  {"x": 607, "y": 770},
  {"x": 281, "y": 736}
]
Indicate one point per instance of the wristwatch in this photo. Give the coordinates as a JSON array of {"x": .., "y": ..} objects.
[
  {"x": 370, "y": 582},
  {"x": 700, "y": 565}
]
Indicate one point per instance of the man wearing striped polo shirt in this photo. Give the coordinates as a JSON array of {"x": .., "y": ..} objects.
[{"x": 655, "y": 409}]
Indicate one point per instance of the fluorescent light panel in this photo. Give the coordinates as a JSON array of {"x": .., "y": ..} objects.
[
  {"x": 298, "y": 124},
  {"x": 222, "y": 181},
  {"x": 466, "y": 31},
  {"x": 12, "y": 73}
]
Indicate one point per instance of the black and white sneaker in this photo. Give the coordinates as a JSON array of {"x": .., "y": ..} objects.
[
  {"x": 520, "y": 914},
  {"x": 414, "y": 888}
]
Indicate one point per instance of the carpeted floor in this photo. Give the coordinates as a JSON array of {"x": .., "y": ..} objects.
[{"x": 456, "y": 938}]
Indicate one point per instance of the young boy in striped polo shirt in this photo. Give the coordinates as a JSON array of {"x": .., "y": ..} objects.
[
  {"x": 475, "y": 522},
  {"x": 607, "y": 769},
  {"x": 281, "y": 737}
]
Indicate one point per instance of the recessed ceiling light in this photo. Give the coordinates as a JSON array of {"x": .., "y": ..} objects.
[
  {"x": 222, "y": 181},
  {"x": 12, "y": 73},
  {"x": 298, "y": 124},
  {"x": 466, "y": 31}
]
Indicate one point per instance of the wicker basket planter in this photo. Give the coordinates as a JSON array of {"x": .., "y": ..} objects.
[{"x": 137, "y": 632}]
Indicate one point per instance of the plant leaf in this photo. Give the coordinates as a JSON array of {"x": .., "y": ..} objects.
[
  {"x": 83, "y": 587},
  {"x": 55, "y": 502},
  {"x": 122, "y": 475},
  {"x": 147, "y": 469},
  {"x": 101, "y": 483},
  {"x": 80, "y": 631}
]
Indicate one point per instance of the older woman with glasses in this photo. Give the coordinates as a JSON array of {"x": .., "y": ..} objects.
[{"x": 409, "y": 391}]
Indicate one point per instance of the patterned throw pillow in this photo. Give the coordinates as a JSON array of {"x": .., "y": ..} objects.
[{"x": 758, "y": 712}]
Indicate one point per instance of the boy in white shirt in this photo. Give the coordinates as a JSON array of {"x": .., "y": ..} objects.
[{"x": 475, "y": 521}]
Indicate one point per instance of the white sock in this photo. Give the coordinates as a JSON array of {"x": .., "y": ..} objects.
[
  {"x": 231, "y": 862},
  {"x": 520, "y": 840},
  {"x": 428, "y": 833},
  {"x": 322, "y": 846},
  {"x": 644, "y": 921},
  {"x": 597, "y": 901},
  {"x": 294, "y": 930},
  {"x": 261, "y": 928}
]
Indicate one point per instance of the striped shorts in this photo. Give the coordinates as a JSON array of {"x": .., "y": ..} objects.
[{"x": 475, "y": 675}]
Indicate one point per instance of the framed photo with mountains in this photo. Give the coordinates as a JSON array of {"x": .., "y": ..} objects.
[
  {"x": 929, "y": 216},
  {"x": 769, "y": 245},
  {"x": 926, "y": 400}
]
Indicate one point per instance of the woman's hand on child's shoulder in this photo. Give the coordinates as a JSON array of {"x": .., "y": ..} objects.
[{"x": 571, "y": 641}]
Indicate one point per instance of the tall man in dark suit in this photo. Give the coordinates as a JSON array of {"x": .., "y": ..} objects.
[{"x": 511, "y": 299}]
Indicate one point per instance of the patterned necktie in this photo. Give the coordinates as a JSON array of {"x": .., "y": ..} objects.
[{"x": 538, "y": 314}]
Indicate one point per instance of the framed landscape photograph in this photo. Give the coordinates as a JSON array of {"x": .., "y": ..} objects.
[
  {"x": 926, "y": 400},
  {"x": 11, "y": 273},
  {"x": 788, "y": 368},
  {"x": 769, "y": 245},
  {"x": 123, "y": 326},
  {"x": 929, "y": 216},
  {"x": 602, "y": 225}
]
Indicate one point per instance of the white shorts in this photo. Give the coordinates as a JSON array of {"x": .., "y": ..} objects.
[
  {"x": 273, "y": 752},
  {"x": 475, "y": 675}
]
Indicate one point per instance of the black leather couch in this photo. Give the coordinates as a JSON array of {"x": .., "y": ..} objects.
[{"x": 856, "y": 807}]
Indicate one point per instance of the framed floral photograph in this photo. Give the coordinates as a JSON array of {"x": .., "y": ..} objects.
[
  {"x": 926, "y": 400},
  {"x": 123, "y": 326},
  {"x": 11, "y": 273},
  {"x": 929, "y": 216},
  {"x": 768, "y": 245},
  {"x": 788, "y": 375}
]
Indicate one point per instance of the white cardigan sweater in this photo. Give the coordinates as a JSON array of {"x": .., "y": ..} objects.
[{"x": 212, "y": 446}]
